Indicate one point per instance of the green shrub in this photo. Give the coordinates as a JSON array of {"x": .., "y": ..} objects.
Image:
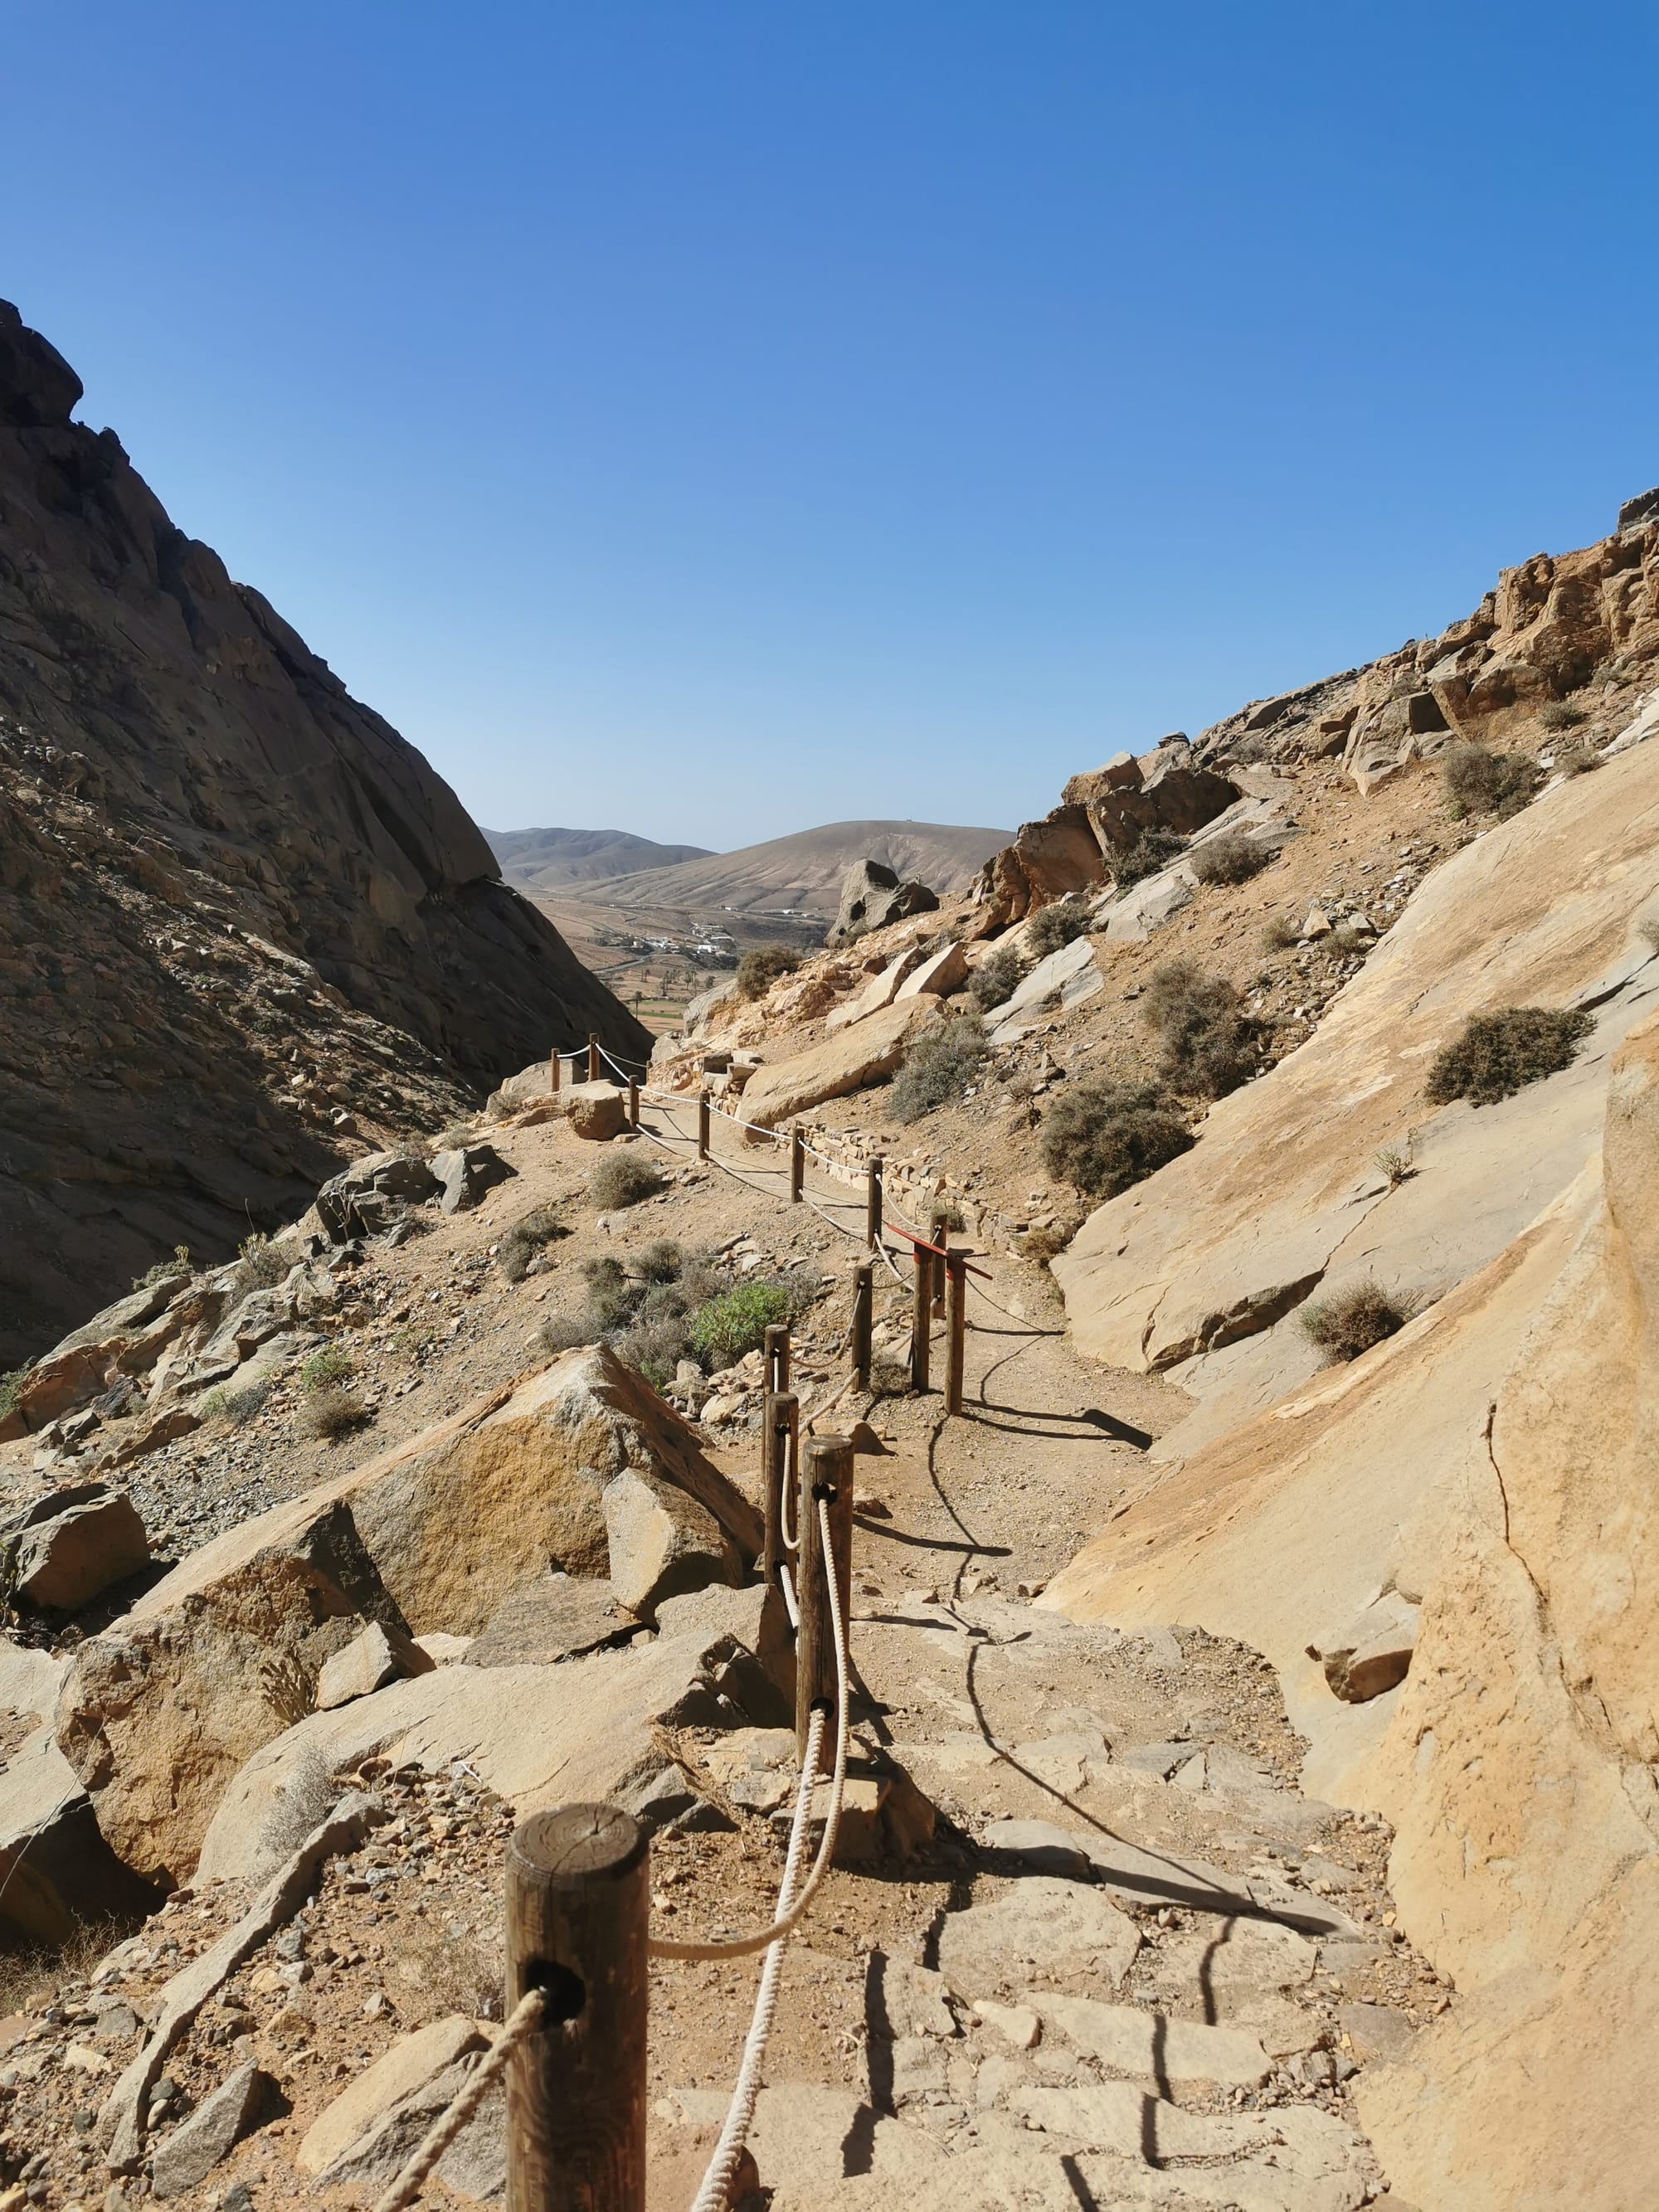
[
  {"x": 1497, "y": 1054},
  {"x": 997, "y": 979},
  {"x": 758, "y": 970},
  {"x": 1056, "y": 926},
  {"x": 624, "y": 1177},
  {"x": 1104, "y": 1137},
  {"x": 11, "y": 1387},
  {"x": 331, "y": 1364},
  {"x": 539, "y": 1228},
  {"x": 1345, "y": 1326},
  {"x": 938, "y": 1067},
  {"x": 164, "y": 1270},
  {"x": 1562, "y": 715},
  {"x": 1480, "y": 782},
  {"x": 1152, "y": 853},
  {"x": 735, "y": 1323},
  {"x": 332, "y": 1413},
  {"x": 1229, "y": 859},
  {"x": 1210, "y": 1044}
]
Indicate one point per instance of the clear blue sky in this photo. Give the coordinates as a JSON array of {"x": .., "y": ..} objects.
[{"x": 713, "y": 417}]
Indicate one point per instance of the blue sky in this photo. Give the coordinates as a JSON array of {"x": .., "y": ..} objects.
[{"x": 709, "y": 419}]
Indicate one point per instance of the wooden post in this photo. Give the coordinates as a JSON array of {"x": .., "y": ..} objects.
[
  {"x": 775, "y": 1370},
  {"x": 826, "y": 1471},
  {"x": 956, "y": 1271},
  {"x": 702, "y": 1125},
  {"x": 921, "y": 1317},
  {"x": 872, "y": 1202},
  {"x": 592, "y": 1057},
  {"x": 796, "y": 1166},
  {"x": 780, "y": 1453},
  {"x": 633, "y": 1102},
  {"x": 578, "y": 1883},
  {"x": 553, "y": 1072},
  {"x": 864, "y": 1294},
  {"x": 938, "y": 1268}
]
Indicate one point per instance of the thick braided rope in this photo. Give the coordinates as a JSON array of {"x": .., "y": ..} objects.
[
  {"x": 743, "y": 1946},
  {"x": 525, "y": 2019},
  {"x": 715, "y": 2193}
]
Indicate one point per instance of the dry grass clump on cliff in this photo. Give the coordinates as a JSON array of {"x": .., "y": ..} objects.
[
  {"x": 1152, "y": 851},
  {"x": 1228, "y": 859},
  {"x": 996, "y": 979},
  {"x": 1497, "y": 1054},
  {"x": 622, "y": 1177},
  {"x": 1576, "y": 758},
  {"x": 1104, "y": 1137},
  {"x": 525, "y": 1239},
  {"x": 938, "y": 1067},
  {"x": 261, "y": 1264},
  {"x": 332, "y": 1413},
  {"x": 1353, "y": 1321},
  {"x": 1562, "y": 715},
  {"x": 164, "y": 1270},
  {"x": 1211, "y": 1045},
  {"x": 758, "y": 970},
  {"x": 1480, "y": 782},
  {"x": 1056, "y": 926}
]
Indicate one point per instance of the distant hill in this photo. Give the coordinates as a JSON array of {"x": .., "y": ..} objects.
[
  {"x": 803, "y": 873},
  {"x": 542, "y": 860}
]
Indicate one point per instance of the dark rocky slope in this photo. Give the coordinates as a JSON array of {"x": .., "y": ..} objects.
[{"x": 242, "y": 922}]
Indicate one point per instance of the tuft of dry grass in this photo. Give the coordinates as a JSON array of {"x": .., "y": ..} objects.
[
  {"x": 1497, "y": 1054},
  {"x": 1353, "y": 1321},
  {"x": 330, "y": 1413}
]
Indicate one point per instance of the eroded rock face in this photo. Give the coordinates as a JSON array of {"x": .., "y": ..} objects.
[
  {"x": 871, "y": 896},
  {"x": 208, "y": 851},
  {"x": 865, "y": 1052}
]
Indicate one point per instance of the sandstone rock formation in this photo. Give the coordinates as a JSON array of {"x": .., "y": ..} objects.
[
  {"x": 871, "y": 896},
  {"x": 866, "y": 1051},
  {"x": 239, "y": 914}
]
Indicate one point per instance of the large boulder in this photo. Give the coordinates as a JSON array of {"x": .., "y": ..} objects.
[
  {"x": 871, "y": 896},
  {"x": 880, "y": 990},
  {"x": 63, "y": 1550},
  {"x": 465, "y": 1173},
  {"x": 227, "y": 1651},
  {"x": 372, "y": 1193},
  {"x": 866, "y": 1052}
]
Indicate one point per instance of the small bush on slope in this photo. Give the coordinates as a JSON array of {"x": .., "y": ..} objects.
[
  {"x": 525, "y": 1239},
  {"x": 1152, "y": 851},
  {"x": 1480, "y": 782},
  {"x": 939, "y": 1066},
  {"x": 1057, "y": 926},
  {"x": 624, "y": 1177},
  {"x": 758, "y": 970},
  {"x": 736, "y": 1322},
  {"x": 1497, "y": 1054},
  {"x": 1228, "y": 859},
  {"x": 996, "y": 979},
  {"x": 1345, "y": 1326},
  {"x": 1104, "y": 1137},
  {"x": 1210, "y": 1044}
]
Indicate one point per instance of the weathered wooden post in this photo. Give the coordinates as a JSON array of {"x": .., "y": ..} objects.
[
  {"x": 956, "y": 1271},
  {"x": 577, "y": 1906},
  {"x": 796, "y": 1166},
  {"x": 633, "y": 1102},
  {"x": 872, "y": 1202},
  {"x": 922, "y": 1316},
  {"x": 780, "y": 1452},
  {"x": 775, "y": 1358},
  {"x": 553, "y": 1072},
  {"x": 940, "y": 1263},
  {"x": 826, "y": 1471},
  {"x": 864, "y": 1299},
  {"x": 592, "y": 1057},
  {"x": 702, "y": 1125}
]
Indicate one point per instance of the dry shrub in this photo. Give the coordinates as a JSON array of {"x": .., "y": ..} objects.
[
  {"x": 564, "y": 1332},
  {"x": 758, "y": 970},
  {"x": 1210, "y": 1044},
  {"x": 1229, "y": 859},
  {"x": 1577, "y": 758},
  {"x": 1278, "y": 935},
  {"x": 1056, "y": 926},
  {"x": 330, "y": 1412},
  {"x": 1104, "y": 1137},
  {"x": 1353, "y": 1321},
  {"x": 1497, "y": 1054},
  {"x": 938, "y": 1067},
  {"x": 997, "y": 979},
  {"x": 449, "y": 1970},
  {"x": 525, "y": 1239},
  {"x": 1480, "y": 782},
  {"x": 624, "y": 1177},
  {"x": 1152, "y": 853},
  {"x": 261, "y": 1264},
  {"x": 28, "y": 1970},
  {"x": 1562, "y": 715}
]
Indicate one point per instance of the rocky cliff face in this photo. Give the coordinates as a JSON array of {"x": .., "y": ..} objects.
[{"x": 241, "y": 921}]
